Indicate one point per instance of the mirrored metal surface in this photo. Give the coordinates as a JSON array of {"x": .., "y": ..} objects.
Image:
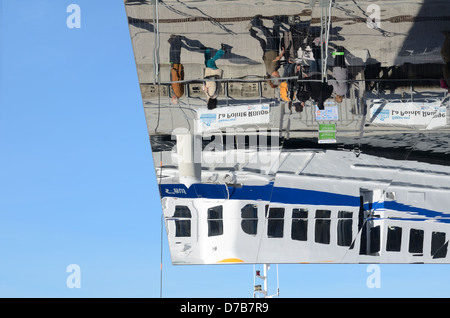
[{"x": 298, "y": 131}]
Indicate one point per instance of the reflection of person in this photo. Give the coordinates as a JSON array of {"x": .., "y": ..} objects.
[
  {"x": 340, "y": 74},
  {"x": 292, "y": 41},
  {"x": 316, "y": 64},
  {"x": 302, "y": 49},
  {"x": 298, "y": 58},
  {"x": 293, "y": 90},
  {"x": 445, "y": 53},
  {"x": 302, "y": 94},
  {"x": 270, "y": 47},
  {"x": 212, "y": 88},
  {"x": 177, "y": 69},
  {"x": 288, "y": 85},
  {"x": 210, "y": 61},
  {"x": 318, "y": 89}
]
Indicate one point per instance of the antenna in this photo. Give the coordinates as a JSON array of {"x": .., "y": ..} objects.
[{"x": 261, "y": 291}]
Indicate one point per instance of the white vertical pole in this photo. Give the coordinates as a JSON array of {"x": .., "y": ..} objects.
[
  {"x": 189, "y": 167},
  {"x": 265, "y": 280}
]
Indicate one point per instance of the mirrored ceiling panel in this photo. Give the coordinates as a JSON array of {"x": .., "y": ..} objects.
[{"x": 298, "y": 131}]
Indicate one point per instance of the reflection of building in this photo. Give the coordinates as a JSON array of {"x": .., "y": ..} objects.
[{"x": 372, "y": 191}]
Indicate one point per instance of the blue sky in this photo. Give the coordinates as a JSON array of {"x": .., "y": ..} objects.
[{"x": 77, "y": 183}]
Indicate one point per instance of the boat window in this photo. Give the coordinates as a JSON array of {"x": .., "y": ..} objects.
[
  {"x": 322, "y": 230},
  {"x": 323, "y": 214},
  {"x": 394, "y": 239},
  {"x": 215, "y": 222},
  {"x": 370, "y": 244},
  {"x": 375, "y": 242},
  {"x": 275, "y": 222},
  {"x": 182, "y": 227},
  {"x": 344, "y": 228},
  {"x": 249, "y": 215},
  {"x": 299, "y": 228},
  {"x": 438, "y": 245},
  {"x": 415, "y": 241}
]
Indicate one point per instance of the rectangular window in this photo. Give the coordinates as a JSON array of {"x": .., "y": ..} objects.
[
  {"x": 370, "y": 244},
  {"x": 415, "y": 241},
  {"x": 375, "y": 242},
  {"x": 275, "y": 222},
  {"x": 438, "y": 245},
  {"x": 299, "y": 229},
  {"x": 322, "y": 230},
  {"x": 344, "y": 228},
  {"x": 182, "y": 227},
  {"x": 323, "y": 214},
  {"x": 215, "y": 221},
  {"x": 249, "y": 215},
  {"x": 394, "y": 239}
]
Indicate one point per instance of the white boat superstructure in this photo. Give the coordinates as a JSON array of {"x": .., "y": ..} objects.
[{"x": 321, "y": 206}]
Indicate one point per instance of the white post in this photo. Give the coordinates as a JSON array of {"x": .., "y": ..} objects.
[
  {"x": 266, "y": 268},
  {"x": 189, "y": 166}
]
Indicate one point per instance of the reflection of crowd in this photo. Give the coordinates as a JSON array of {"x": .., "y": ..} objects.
[
  {"x": 296, "y": 51},
  {"x": 292, "y": 61},
  {"x": 302, "y": 64}
]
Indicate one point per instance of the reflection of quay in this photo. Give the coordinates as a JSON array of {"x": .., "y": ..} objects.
[
  {"x": 356, "y": 116},
  {"x": 395, "y": 19}
]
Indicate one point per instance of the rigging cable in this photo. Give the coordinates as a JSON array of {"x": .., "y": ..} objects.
[
  {"x": 156, "y": 60},
  {"x": 161, "y": 229},
  {"x": 161, "y": 261}
]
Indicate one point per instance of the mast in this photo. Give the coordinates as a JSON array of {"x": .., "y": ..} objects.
[{"x": 263, "y": 291}]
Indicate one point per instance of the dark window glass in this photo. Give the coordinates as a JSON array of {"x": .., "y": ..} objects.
[
  {"x": 323, "y": 214},
  {"x": 182, "y": 211},
  {"x": 215, "y": 222},
  {"x": 415, "y": 241},
  {"x": 345, "y": 215},
  {"x": 438, "y": 245},
  {"x": 182, "y": 227},
  {"x": 344, "y": 228},
  {"x": 299, "y": 229},
  {"x": 394, "y": 239},
  {"x": 249, "y": 215},
  {"x": 275, "y": 222},
  {"x": 322, "y": 230},
  {"x": 375, "y": 243},
  {"x": 299, "y": 213},
  {"x": 370, "y": 244}
]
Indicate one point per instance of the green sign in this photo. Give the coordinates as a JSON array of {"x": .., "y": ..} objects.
[
  {"x": 327, "y": 133},
  {"x": 327, "y": 127}
]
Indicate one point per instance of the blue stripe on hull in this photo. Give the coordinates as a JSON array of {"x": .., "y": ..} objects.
[
  {"x": 286, "y": 196},
  {"x": 267, "y": 193},
  {"x": 429, "y": 214}
]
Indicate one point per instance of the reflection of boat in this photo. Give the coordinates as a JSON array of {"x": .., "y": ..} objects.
[
  {"x": 303, "y": 201},
  {"x": 320, "y": 206}
]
